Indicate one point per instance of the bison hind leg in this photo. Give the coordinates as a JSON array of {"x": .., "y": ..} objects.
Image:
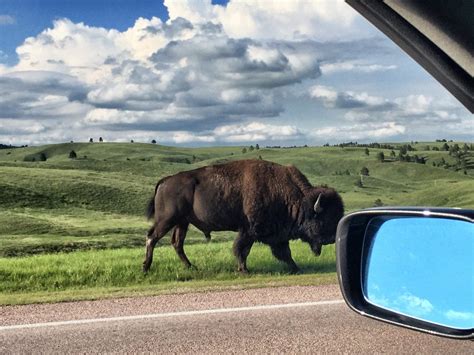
[
  {"x": 282, "y": 252},
  {"x": 177, "y": 239},
  {"x": 154, "y": 234},
  {"x": 208, "y": 236}
]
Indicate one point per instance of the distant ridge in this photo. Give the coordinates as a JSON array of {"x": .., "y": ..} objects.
[{"x": 5, "y": 146}]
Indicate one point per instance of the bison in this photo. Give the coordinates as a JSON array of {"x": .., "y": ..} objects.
[{"x": 261, "y": 200}]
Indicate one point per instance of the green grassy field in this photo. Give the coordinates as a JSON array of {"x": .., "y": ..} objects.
[{"x": 70, "y": 226}]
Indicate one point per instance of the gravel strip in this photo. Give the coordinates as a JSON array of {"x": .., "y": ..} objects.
[{"x": 37, "y": 313}]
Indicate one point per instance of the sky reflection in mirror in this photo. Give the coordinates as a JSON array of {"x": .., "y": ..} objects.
[{"x": 423, "y": 268}]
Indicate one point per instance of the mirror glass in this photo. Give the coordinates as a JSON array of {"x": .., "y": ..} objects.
[{"x": 421, "y": 267}]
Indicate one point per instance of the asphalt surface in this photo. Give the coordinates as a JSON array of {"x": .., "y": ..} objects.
[{"x": 270, "y": 320}]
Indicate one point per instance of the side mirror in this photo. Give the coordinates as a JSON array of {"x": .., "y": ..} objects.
[{"x": 412, "y": 267}]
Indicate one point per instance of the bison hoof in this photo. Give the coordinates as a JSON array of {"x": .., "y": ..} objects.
[
  {"x": 243, "y": 271},
  {"x": 295, "y": 271}
]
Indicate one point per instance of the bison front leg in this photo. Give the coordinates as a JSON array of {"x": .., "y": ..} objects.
[
  {"x": 242, "y": 245},
  {"x": 282, "y": 252},
  {"x": 179, "y": 234}
]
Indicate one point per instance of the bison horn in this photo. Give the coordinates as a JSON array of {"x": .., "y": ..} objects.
[{"x": 317, "y": 205}]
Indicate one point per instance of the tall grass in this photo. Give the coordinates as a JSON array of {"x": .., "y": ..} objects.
[{"x": 121, "y": 268}]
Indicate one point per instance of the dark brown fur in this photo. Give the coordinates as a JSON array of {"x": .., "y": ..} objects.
[{"x": 261, "y": 200}]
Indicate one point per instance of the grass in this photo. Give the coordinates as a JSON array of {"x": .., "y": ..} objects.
[
  {"x": 74, "y": 228},
  {"x": 102, "y": 273}
]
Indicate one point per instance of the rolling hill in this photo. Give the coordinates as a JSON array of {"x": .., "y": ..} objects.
[{"x": 51, "y": 202}]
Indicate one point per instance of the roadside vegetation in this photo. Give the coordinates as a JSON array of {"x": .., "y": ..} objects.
[
  {"x": 102, "y": 273},
  {"x": 72, "y": 219}
]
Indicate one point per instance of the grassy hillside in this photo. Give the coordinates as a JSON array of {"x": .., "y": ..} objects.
[
  {"x": 57, "y": 213},
  {"x": 98, "y": 199}
]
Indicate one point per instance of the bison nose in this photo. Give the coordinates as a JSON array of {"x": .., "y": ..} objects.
[{"x": 316, "y": 248}]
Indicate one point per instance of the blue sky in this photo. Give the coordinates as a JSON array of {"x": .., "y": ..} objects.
[
  {"x": 212, "y": 73},
  {"x": 414, "y": 268}
]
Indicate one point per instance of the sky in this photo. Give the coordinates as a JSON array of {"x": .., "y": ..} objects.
[
  {"x": 430, "y": 285},
  {"x": 201, "y": 72}
]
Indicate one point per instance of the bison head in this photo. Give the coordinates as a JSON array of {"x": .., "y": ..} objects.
[{"x": 322, "y": 208}]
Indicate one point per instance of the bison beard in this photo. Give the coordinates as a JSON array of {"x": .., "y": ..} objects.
[{"x": 262, "y": 201}]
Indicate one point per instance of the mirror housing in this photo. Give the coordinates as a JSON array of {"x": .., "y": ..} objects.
[{"x": 355, "y": 256}]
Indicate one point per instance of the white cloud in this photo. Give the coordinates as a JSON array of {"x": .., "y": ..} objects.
[
  {"x": 256, "y": 131},
  {"x": 351, "y": 66},
  {"x": 361, "y": 131},
  {"x": 11, "y": 126},
  {"x": 190, "y": 137},
  {"x": 414, "y": 104},
  {"x": 324, "y": 93},
  {"x": 374, "y": 117},
  {"x": 7, "y": 20},
  {"x": 287, "y": 20},
  {"x": 456, "y": 315},
  {"x": 348, "y": 99},
  {"x": 150, "y": 74},
  {"x": 200, "y": 76},
  {"x": 414, "y": 305}
]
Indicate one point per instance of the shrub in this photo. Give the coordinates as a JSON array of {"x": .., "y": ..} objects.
[
  {"x": 36, "y": 157},
  {"x": 380, "y": 157},
  {"x": 378, "y": 203},
  {"x": 72, "y": 154},
  {"x": 364, "y": 171}
]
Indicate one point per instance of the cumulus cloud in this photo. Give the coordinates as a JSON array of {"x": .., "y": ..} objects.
[
  {"x": 41, "y": 95},
  {"x": 15, "y": 127},
  {"x": 360, "y": 131},
  {"x": 354, "y": 66},
  {"x": 374, "y": 117},
  {"x": 364, "y": 107},
  {"x": 151, "y": 74},
  {"x": 348, "y": 99},
  {"x": 285, "y": 20},
  {"x": 200, "y": 76},
  {"x": 256, "y": 131}
]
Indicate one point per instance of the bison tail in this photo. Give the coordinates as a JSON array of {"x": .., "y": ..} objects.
[{"x": 150, "y": 210}]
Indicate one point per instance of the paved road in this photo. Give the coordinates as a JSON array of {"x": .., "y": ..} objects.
[{"x": 273, "y": 320}]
